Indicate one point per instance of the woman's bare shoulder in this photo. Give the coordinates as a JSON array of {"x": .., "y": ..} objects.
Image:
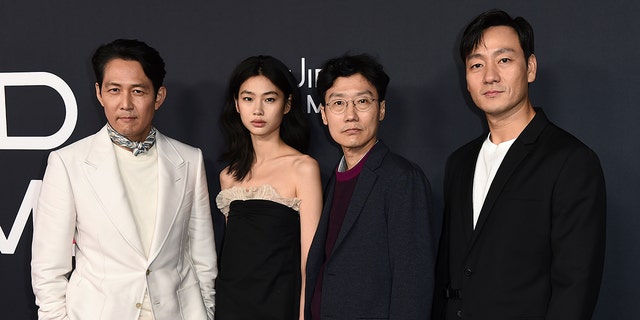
[
  {"x": 227, "y": 180},
  {"x": 305, "y": 165}
]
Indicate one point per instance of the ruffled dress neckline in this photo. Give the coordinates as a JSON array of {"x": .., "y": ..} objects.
[{"x": 263, "y": 192}]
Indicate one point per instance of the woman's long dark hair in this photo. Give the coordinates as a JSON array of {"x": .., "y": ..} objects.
[{"x": 294, "y": 129}]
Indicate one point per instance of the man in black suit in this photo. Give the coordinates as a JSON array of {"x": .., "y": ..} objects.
[
  {"x": 373, "y": 253},
  {"x": 524, "y": 222}
]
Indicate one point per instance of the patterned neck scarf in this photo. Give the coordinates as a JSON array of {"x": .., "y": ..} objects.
[{"x": 136, "y": 147}]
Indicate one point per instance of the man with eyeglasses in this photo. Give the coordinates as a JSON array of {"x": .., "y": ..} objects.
[{"x": 372, "y": 256}]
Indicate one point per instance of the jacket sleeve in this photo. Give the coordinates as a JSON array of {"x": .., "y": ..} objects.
[
  {"x": 201, "y": 238},
  {"x": 442, "y": 262},
  {"x": 411, "y": 246},
  {"x": 577, "y": 237},
  {"x": 54, "y": 227}
]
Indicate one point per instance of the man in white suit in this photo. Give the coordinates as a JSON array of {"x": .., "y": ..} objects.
[{"x": 134, "y": 201}]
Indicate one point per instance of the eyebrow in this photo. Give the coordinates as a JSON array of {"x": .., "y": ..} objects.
[
  {"x": 494, "y": 53},
  {"x": 133, "y": 85},
  {"x": 342, "y": 95},
  {"x": 266, "y": 93}
]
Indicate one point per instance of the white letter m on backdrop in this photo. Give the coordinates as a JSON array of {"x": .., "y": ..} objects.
[{"x": 8, "y": 243}]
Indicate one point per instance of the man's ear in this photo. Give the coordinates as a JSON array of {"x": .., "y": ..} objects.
[
  {"x": 532, "y": 68},
  {"x": 323, "y": 115},
  {"x": 160, "y": 96},
  {"x": 99, "y": 94}
]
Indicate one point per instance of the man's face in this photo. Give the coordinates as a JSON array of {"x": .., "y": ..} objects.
[
  {"x": 354, "y": 130},
  {"x": 498, "y": 74},
  {"x": 128, "y": 98}
]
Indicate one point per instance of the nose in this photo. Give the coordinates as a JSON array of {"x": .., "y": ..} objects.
[
  {"x": 258, "y": 110},
  {"x": 127, "y": 102},
  {"x": 350, "y": 113},
  {"x": 491, "y": 74}
]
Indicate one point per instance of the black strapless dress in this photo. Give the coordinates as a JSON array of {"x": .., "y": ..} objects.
[{"x": 259, "y": 276}]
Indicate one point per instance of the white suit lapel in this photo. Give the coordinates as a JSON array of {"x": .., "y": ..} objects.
[
  {"x": 103, "y": 175},
  {"x": 172, "y": 181}
]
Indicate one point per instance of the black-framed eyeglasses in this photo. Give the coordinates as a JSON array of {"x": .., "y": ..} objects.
[{"x": 339, "y": 106}]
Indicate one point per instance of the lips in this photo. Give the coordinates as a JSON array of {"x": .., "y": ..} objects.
[
  {"x": 491, "y": 93},
  {"x": 258, "y": 123},
  {"x": 127, "y": 118},
  {"x": 351, "y": 130}
]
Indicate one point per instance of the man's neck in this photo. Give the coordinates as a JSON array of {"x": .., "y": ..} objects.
[
  {"x": 353, "y": 155},
  {"x": 508, "y": 127}
]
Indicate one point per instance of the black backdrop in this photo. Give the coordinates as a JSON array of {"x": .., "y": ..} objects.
[{"x": 588, "y": 73}]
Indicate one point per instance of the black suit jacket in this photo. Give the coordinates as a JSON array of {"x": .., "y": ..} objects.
[
  {"x": 538, "y": 247},
  {"x": 383, "y": 260}
]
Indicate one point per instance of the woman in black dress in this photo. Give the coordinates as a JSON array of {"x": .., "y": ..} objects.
[{"x": 271, "y": 195}]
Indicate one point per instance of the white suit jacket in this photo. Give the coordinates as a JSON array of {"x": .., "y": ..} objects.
[{"x": 83, "y": 199}]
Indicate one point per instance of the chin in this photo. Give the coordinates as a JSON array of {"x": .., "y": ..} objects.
[{"x": 354, "y": 145}]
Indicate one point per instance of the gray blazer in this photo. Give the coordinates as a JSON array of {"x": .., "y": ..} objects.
[{"x": 382, "y": 263}]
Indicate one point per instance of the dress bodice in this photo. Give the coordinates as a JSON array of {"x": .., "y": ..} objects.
[
  {"x": 259, "y": 275},
  {"x": 263, "y": 192}
]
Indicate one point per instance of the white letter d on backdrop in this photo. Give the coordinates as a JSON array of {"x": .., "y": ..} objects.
[{"x": 38, "y": 142}]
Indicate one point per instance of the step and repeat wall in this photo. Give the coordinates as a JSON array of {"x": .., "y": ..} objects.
[{"x": 587, "y": 83}]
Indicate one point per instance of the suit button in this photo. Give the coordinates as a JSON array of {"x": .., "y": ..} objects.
[
  {"x": 148, "y": 271},
  {"x": 138, "y": 305},
  {"x": 459, "y": 314},
  {"x": 468, "y": 272}
]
